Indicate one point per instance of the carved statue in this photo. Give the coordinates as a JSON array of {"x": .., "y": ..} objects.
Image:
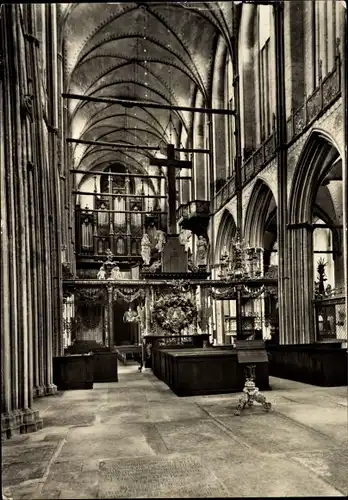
[
  {"x": 141, "y": 316},
  {"x": 184, "y": 238},
  {"x": 110, "y": 256},
  {"x": 130, "y": 316},
  {"x": 115, "y": 273},
  {"x": 152, "y": 234},
  {"x": 155, "y": 266},
  {"x": 146, "y": 249},
  {"x": 202, "y": 247},
  {"x": 101, "y": 273},
  {"x": 157, "y": 237},
  {"x": 161, "y": 240}
]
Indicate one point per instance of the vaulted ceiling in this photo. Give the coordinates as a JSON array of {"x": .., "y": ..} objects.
[{"x": 151, "y": 52}]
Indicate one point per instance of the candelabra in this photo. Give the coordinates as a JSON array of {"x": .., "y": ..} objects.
[
  {"x": 243, "y": 278},
  {"x": 251, "y": 393}
]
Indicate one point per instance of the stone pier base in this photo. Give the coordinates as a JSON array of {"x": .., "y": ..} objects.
[
  {"x": 20, "y": 422},
  {"x": 50, "y": 390}
]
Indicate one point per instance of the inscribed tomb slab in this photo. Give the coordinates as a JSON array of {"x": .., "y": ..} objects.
[
  {"x": 72, "y": 484},
  {"x": 106, "y": 441},
  {"x": 18, "y": 472},
  {"x": 187, "y": 434},
  {"x": 35, "y": 452},
  {"x": 67, "y": 413},
  {"x": 316, "y": 399},
  {"x": 124, "y": 414},
  {"x": 175, "y": 410},
  {"x": 154, "y": 439},
  {"x": 331, "y": 420},
  {"x": 330, "y": 465},
  {"x": 24, "y": 491},
  {"x": 158, "y": 477},
  {"x": 257, "y": 430},
  {"x": 272, "y": 475},
  {"x": 64, "y": 419}
]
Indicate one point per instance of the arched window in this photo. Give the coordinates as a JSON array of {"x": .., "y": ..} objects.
[
  {"x": 229, "y": 120},
  {"x": 265, "y": 60},
  {"x": 324, "y": 36},
  {"x": 323, "y": 251},
  {"x": 273, "y": 261}
]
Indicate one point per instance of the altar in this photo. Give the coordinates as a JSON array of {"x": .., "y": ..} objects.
[{"x": 170, "y": 304}]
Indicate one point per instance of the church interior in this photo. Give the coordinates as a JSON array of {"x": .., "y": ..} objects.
[{"x": 174, "y": 249}]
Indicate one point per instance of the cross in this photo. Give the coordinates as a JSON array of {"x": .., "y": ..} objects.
[{"x": 171, "y": 163}]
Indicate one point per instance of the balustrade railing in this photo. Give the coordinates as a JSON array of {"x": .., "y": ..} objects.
[
  {"x": 194, "y": 208},
  {"x": 324, "y": 95}
]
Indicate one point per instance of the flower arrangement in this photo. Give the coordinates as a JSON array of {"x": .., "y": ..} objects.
[{"x": 174, "y": 312}]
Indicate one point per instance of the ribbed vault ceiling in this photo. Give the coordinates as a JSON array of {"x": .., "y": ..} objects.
[{"x": 155, "y": 52}]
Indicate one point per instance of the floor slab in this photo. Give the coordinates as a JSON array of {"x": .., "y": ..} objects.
[
  {"x": 267, "y": 431},
  {"x": 179, "y": 476},
  {"x": 137, "y": 439}
]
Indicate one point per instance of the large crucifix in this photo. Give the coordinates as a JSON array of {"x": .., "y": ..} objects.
[{"x": 171, "y": 163}]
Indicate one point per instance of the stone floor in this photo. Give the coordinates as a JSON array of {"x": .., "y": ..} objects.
[{"x": 136, "y": 439}]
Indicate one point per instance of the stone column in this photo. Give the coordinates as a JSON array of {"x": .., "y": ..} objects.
[
  {"x": 21, "y": 201},
  {"x": 345, "y": 155},
  {"x": 300, "y": 309},
  {"x": 5, "y": 284},
  {"x": 39, "y": 383},
  {"x": 282, "y": 215},
  {"x": 35, "y": 231},
  {"x": 220, "y": 321},
  {"x": 110, "y": 290},
  {"x": 41, "y": 146},
  {"x": 17, "y": 368},
  {"x": 106, "y": 324},
  {"x": 147, "y": 310},
  {"x": 54, "y": 168}
]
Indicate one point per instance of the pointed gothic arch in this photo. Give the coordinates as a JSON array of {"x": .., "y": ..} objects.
[
  {"x": 318, "y": 165},
  {"x": 318, "y": 155},
  {"x": 226, "y": 231},
  {"x": 260, "y": 216}
]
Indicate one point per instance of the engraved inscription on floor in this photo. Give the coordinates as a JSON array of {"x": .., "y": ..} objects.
[{"x": 136, "y": 439}]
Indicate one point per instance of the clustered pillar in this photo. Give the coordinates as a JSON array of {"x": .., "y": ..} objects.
[
  {"x": 301, "y": 293},
  {"x": 27, "y": 281}
]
